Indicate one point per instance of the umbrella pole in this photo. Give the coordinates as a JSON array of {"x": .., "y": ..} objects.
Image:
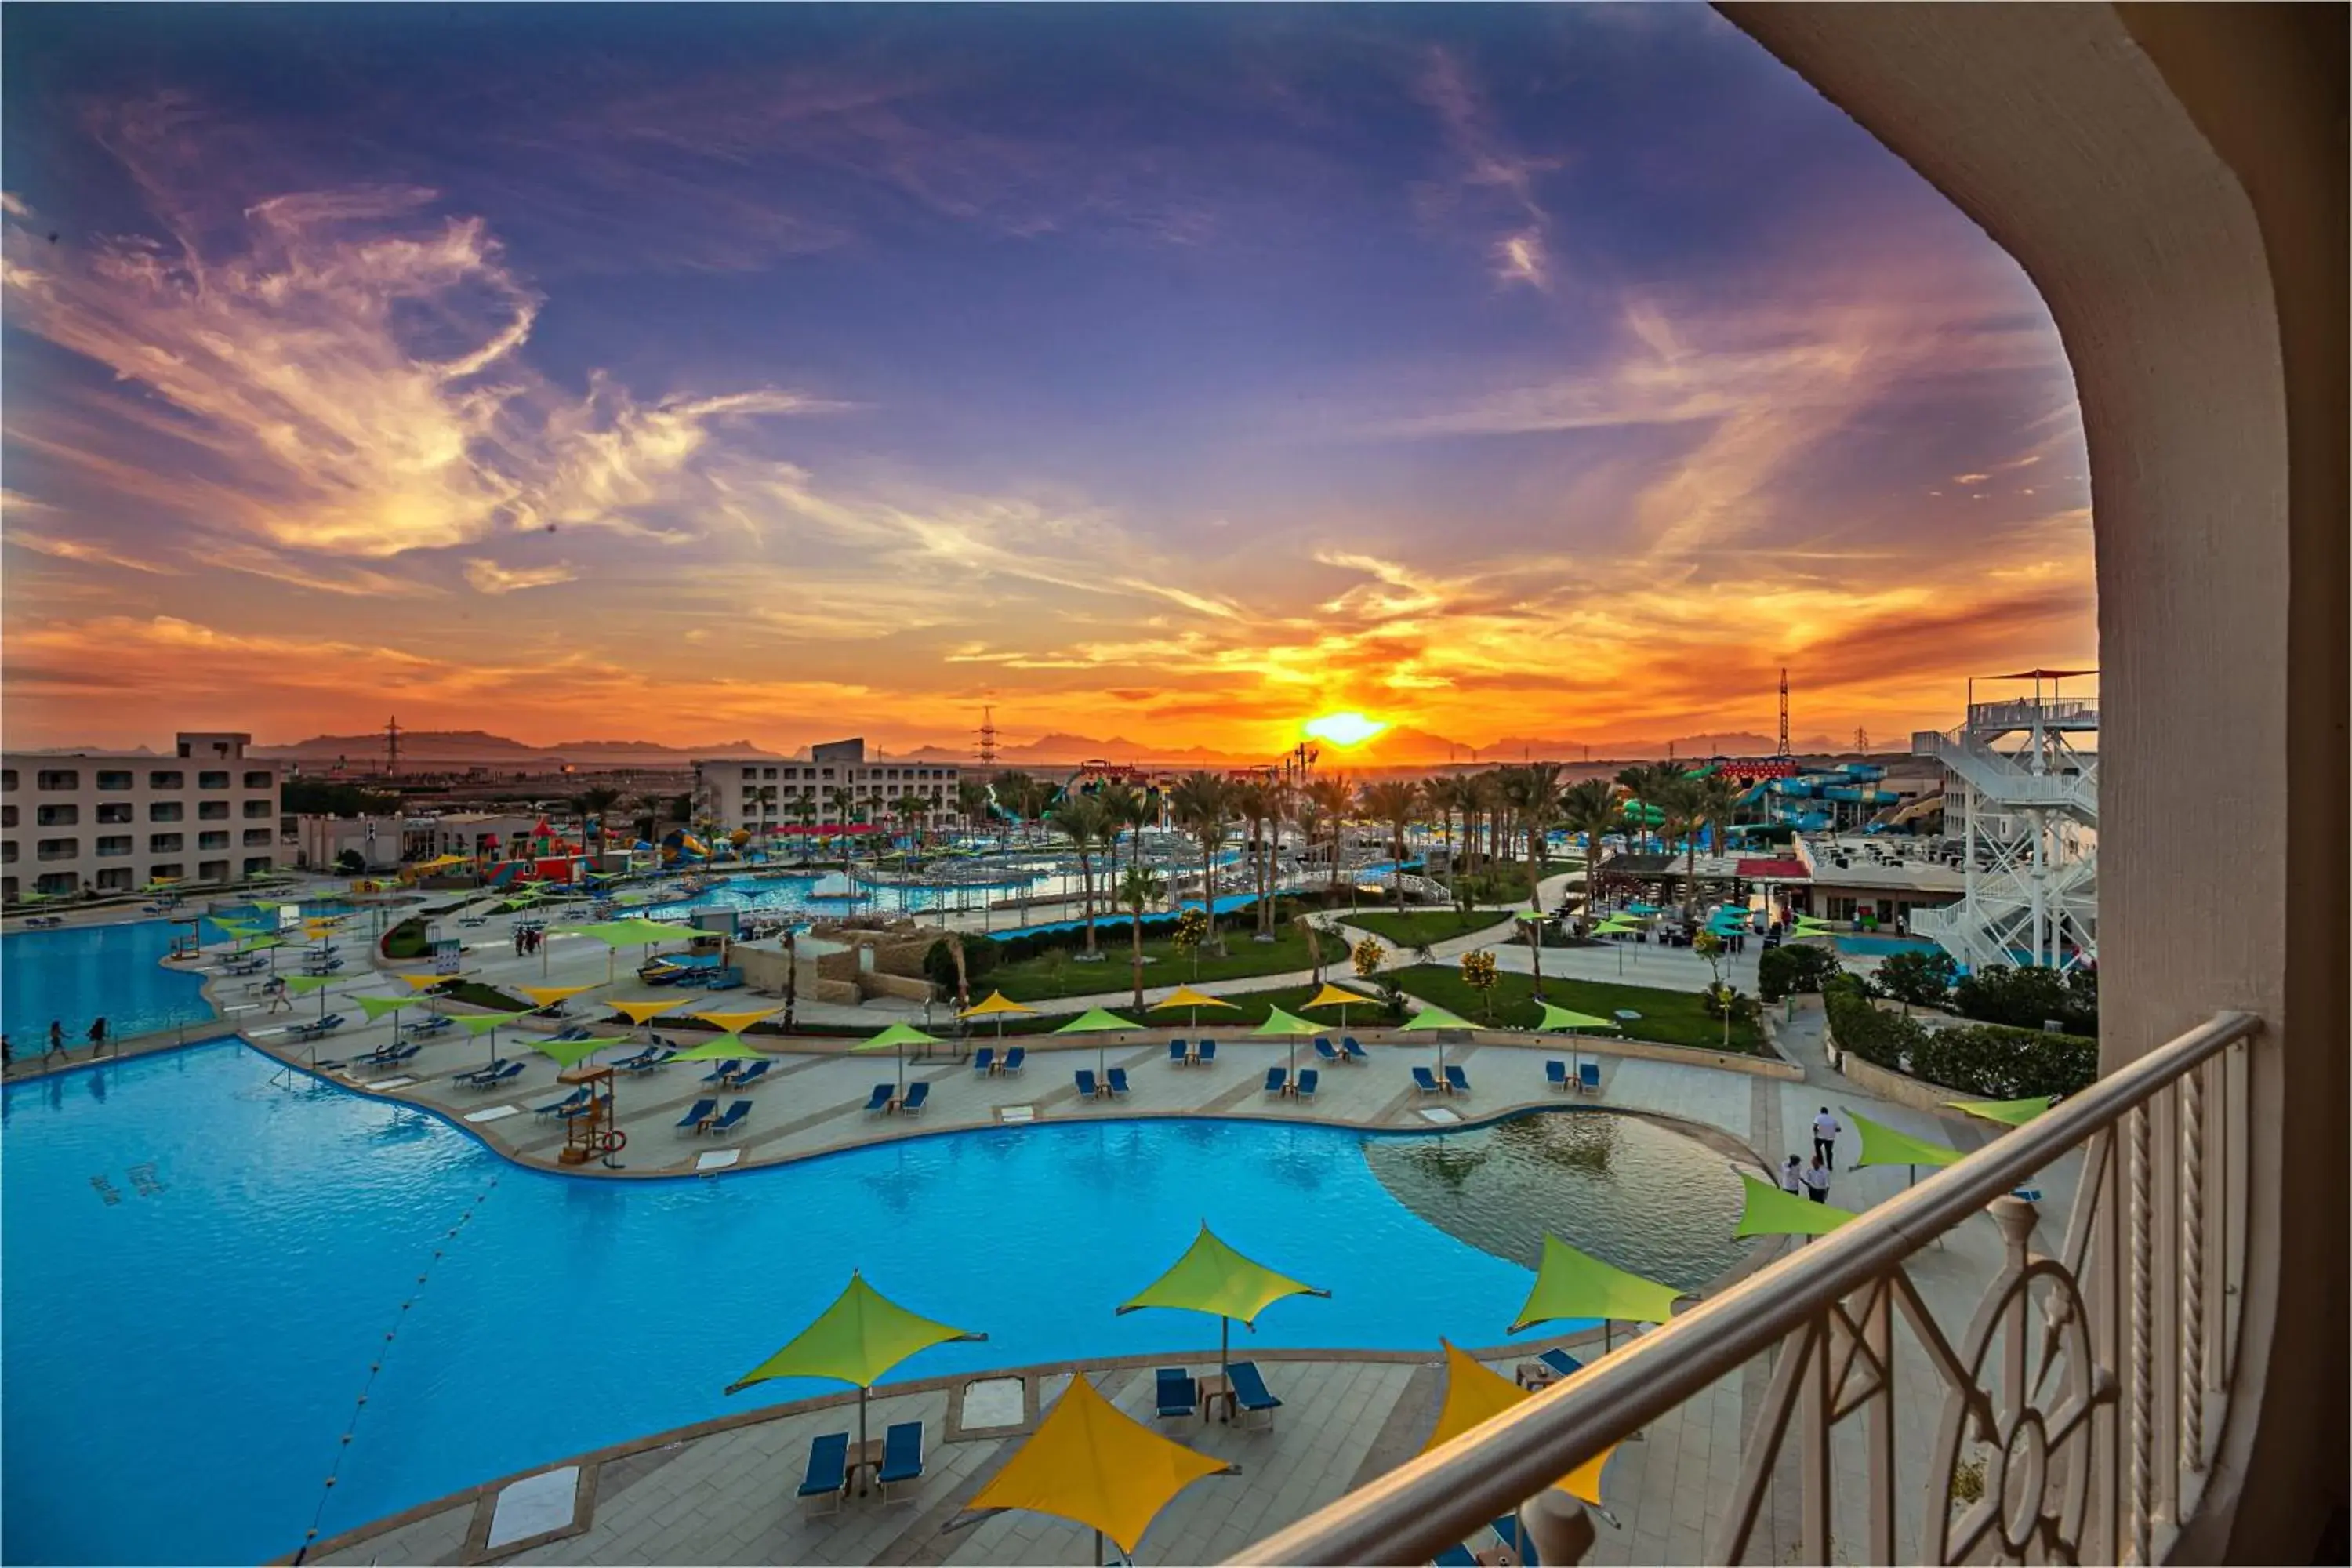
[
  {"x": 1097, "y": 1549},
  {"x": 862, "y": 1392},
  {"x": 1226, "y": 1348}
]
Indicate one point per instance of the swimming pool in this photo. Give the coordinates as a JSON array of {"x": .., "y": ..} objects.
[
  {"x": 198, "y": 1267},
  {"x": 74, "y": 973},
  {"x": 1882, "y": 946}
]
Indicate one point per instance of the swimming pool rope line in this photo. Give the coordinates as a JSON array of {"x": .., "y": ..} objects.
[{"x": 375, "y": 1367}]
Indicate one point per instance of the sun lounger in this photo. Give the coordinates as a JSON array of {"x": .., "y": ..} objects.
[
  {"x": 724, "y": 1071},
  {"x": 1425, "y": 1081},
  {"x": 557, "y": 1108},
  {"x": 1556, "y": 1075},
  {"x": 902, "y": 1459},
  {"x": 828, "y": 1467},
  {"x": 1456, "y": 1557},
  {"x": 1588, "y": 1078},
  {"x": 1013, "y": 1060},
  {"x": 1561, "y": 1362},
  {"x": 696, "y": 1115},
  {"x": 1323, "y": 1048},
  {"x": 1118, "y": 1082},
  {"x": 1456, "y": 1081},
  {"x": 1178, "y": 1394},
  {"x": 1308, "y": 1078},
  {"x": 880, "y": 1100},
  {"x": 1180, "y": 1053},
  {"x": 649, "y": 1062},
  {"x": 318, "y": 1027},
  {"x": 735, "y": 1116},
  {"x": 751, "y": 1074},
  {"x": 432, "y": 1023},
  {"x": 1205, "y": 1053},
  {"x": 917, "y": 1093},
  {"x": 1087, "y": 1089},
  {"x": 492, "y": 1078},
  {"x": 728, "y": 979},
  {"x": 1521, "y": 1547},
  {"x": 982, "y": 1059},
  {"x": 1276, "y": 1079},
  {"x": 1250, "y": 1392}
]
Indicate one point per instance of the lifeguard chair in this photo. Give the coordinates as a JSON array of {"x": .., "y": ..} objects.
[{"x": 591, "y": 1135}]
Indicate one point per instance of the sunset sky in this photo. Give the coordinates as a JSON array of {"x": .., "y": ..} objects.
[{"x": 784, "y": 373}]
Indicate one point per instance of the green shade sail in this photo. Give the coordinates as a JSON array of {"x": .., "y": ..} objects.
[
  {"x": 1769, "y": 1211},
  {"x": 303, "y": 984},
  {"x": 894, "y": 1036},
  {"x": 2009, "y": 1113},
  {"x": 1563, "y": 1018},
  {"x": 571, "y": 1053},
  {"x": 1882, "y": 1145},
  {"x": 1279, "y": 1022},
  {"x": 1212, "y": 1277},
  {"x": 633, "y": 933},
  {"x": 1093, "y": 1020},
  {"x": 256, "y": 944},
  {"x": 377, "y": 1006},
  {"x": 1432, "y": 1016},
  {"x": 483, "y": 1023},
  {"x": 717, "y": 1049},
  {"x": 1572, "y": 1284},
  {"x": 857, "y": 1340}
]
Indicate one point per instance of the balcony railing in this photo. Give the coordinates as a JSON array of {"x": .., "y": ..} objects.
[{"x": 2080, "y": 1405}]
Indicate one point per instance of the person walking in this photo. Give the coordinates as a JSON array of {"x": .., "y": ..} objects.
[
  {"x": 1816, "y": 1181},
  {"x": 56, "y": 1042},
  {"x": 1826, "y": 1129},
  {"x": 97, "y": 1038},
  {"x": 7, "y": 1055},
  {"x": 1793, "y": 1177}
]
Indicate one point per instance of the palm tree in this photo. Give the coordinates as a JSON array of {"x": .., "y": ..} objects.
[
  {"x": 972, "y": 801},
  {"x": 1649, "y": 783},
  {"x": 595, "y": 802},
  {"x": 1333, "y": 798},
  {"x": 1013, "y": 791},
  {"x": 1443, "y": 793},
  {"x": 1200, "y": 802},
  {"x": 909, "y": 809},
  {"x": 1137, "y": 890},
  {"x": 1281, "y": 800},
  {"x": 1482, "y": 793},
  {"x": 1306, "y": 927},
  {"x": 1590, "y": 806},
  {"x": 1129, "y": 812},
  {"x": 804, "y": 810},
  {"x": 1081, "y": 816},
  {"x": 1394, "y": 802},
  {"x": 1685, "y": 810},
  {"x": 1248, "y": 802},
  {"x": 1534, "y": 792}
]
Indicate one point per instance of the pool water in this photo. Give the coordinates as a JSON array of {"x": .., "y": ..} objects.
[
  {"x": 1882, "y": 946},
  {"x": 198, "y": 1264},
  {"x": 75, "y": 974}
]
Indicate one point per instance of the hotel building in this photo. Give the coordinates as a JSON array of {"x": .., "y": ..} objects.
[
  {"x": 757, "y": 794},
  {"x": 103, "y": 823}
]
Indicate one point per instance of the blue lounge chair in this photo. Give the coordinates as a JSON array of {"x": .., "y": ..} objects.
[
  {"x": 505, "y": 1072},
  {"x": 1588, "y": 1077},
  {"x": 696, "y": 1115},
  {"x": 1561, "y": 1362},
  {"x": 1275, "y": 1078},
  {"x": 1086, "y": 1086},
  {"x": 1250, "y": 1394},
  {"x": 1556, "y": 1075},
  {"x": 1178, "y": 1394},
  {"x": 880, "y": 1100},
  {"x": 1425, "y": 1081},
  {"x": 1456, "y": 1557},
  {"x": 1456, "y": 1081},
  {"x": 1013, "y": 1060},
  {"x": 577, "y": 1097},
  {"x": 724, "y": 1071},
  {"x": 1521, "y": 1547},
  {"x": 828, "y": 1467},
  {"x": 917, "y": 1093},
  {"x": 1308, "y": 1078},
  {"x": 982, "y": 1059},
  {"x": 752, "y": 1074},
  {"x": 1323, "y": 1049},
  {"x": 318, "y": 1027},
  {"x": 1206, "y": 1054},
  {"x": 1179, "y": 1053},
  {"x": 735, "y": 1116},
  {"x": 387, "y": 1055},
  {"x": 432, "y": 1023},
  {"x": 902, "y": 1457},
  {"x": 1116, "y": 1078},
  {"x": 728, "y": 979},
  {"x": 650, "y": 1060}
]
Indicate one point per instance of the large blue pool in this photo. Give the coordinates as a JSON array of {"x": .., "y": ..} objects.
[
  {"x": 76, "y": 973},
  {"x": 201, "y": 1263}
]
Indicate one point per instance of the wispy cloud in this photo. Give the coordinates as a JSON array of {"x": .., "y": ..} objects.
[
  {"x": 88, "y": 551},
  {"x": 486, "y": 576}
]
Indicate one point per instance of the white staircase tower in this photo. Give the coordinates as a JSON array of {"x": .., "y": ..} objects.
[{"x": 2026, "y": 791}]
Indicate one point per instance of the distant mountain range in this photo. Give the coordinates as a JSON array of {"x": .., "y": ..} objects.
[{"x": 421, "y": 746}]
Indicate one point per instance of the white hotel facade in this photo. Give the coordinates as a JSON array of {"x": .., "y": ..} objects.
[
  {"x": 107, "y": 823},
  {"x": 757, "y": 794}
]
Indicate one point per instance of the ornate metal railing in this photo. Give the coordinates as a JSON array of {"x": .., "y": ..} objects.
[{"x": 2078, "y": 1409}]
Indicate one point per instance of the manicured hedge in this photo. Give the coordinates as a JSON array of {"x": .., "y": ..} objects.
[
  {"x": 1793, "y": 967},
  {"x": 1983, "y": 1059}
]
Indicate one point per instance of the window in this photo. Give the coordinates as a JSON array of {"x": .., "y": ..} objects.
[
  {"x": 257, "y": 779},
  {"x": 828, "y": 772},
  {"x": 165, "y": 811},
  {"x": 114, "y": 778},
  {"x": 751, "y": 772},
  {"x": 8, "y": 889},
  {"x": 165, "y": 843},
  {"x": 61, "y": 849},
  {"x": 212, "y": 871},
  {"x": 7, "y": 778},
  {"x": 114, "y": 879},
  {"x": 7, "y": 817},
  {"x": 162, "y": 778},
  {"x": 59, "y": 778},
  {"x": 255, "y": 809},
  {"x": 212, "y": 778},
  {"x": 170, "y": 871},
  {"x": 770, "y": 773},
  {"x": 254, "y": 863},
  {"x": 8, "y": 852},
  {"x": 261, "y": 837},
  {"x": 56, "y": 816},
  {"x": 114, "y": 811},
  {"x": 113, "y": 844},
  {"x": 57, "y": 882},
  {"x": 211, "y": 840},
  {"x": 212, "y": 811}
]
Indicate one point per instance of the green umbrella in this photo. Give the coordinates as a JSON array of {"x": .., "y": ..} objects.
[
  {"x": 896, "y": 1037},
  {"x": 1212, "y": 1277},
  {"x": 377, "y": 1006},
  {"x": 1882, "y": 1145},
  {"x": 717, "y": 1049},
  {"x": 1279, "y": 1022},
  {"x": 486, "y": 1024},
  {"x": 1561, "y": 1018},
  {"x": 630, "y": 932},
  {"x": 1433, "y": 1018},
  {"x": 572, "y": 1053},
  {"x": 1769, "y": 1211},
  {"x": 857, "y": 1340},
  {"x": 1572, "y": 1284},
  {"x": 1095, "y": 1020},
  {"x": 2009, "y": 1113},
  {"x": 303, "y": 984}
]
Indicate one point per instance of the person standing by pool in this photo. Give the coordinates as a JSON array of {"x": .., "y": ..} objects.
[
  {"x": 56, "y": 1042},
  {"x": 1793, "y": 1178},
  {"x": 1826, "y": 1129},
  {"x": 97, "y": 1038},
  {"x": 1816, "y": 1181},
  {"x": 7, "y": 1055}
]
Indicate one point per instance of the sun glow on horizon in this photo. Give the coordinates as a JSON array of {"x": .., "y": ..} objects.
[{"x": 1344, "y": 729}]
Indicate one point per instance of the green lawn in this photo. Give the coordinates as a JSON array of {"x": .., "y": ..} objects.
[
  {"x": 1670, "y": 1018},
  {"x": 1057, "y": 973},
  {"x": 1505, "y": 881},
  {"x": 1406, "y": 931}
]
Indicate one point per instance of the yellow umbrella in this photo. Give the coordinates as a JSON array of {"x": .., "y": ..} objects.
[
  {"x": 1212, "y": 1277},
  {"x": 549, "y": 995},
  {"x": 733, "y": 1023},
  {"x": 641, "y": 1013},
  {"x": 1092, "y": 1464},
  {"x": 1337, "y": 996},
  {"x": 427, "y": 981},
  {"x": 1475, "y": 1395},
  {"x": 1185, "y": 996},
  {"x": 999, "y": 1005}
]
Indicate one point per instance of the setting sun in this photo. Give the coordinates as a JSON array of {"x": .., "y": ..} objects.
[{"x": 1344, "y": 729}]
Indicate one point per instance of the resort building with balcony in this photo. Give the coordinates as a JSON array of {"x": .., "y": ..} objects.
[
  {"x": 840, "y": 785},
  {"x": 99, "y": 822}
]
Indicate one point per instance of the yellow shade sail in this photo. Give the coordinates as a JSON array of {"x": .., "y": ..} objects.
[
  {"x": 427, "y": 981},
  {"x": 1185, "y": 996},
  {"x": 639, "y": 1012},
  {"x": 1091, "y": 1464},
  {"x": 997, "y": 1003},
  {"x": 734, "y": 1022},
  {"x": 549, "y": 995},
  {"x": 1474, "y": 1395},
  {"x": 1335, "y": 996},
  {"x": 1212, "y": 1277}
]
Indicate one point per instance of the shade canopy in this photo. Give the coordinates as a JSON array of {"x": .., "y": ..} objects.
[
  {"x": 2009, "y": 1112},
  {"x": 1882, "y": 1145},
  {"x": 857, "y": 1340},
  {"x": 640, "y": 1011},
  {"x": 633, "y": 933},
  {"x": 256, "y": 944},
  {"x": 891, "y": 1038},
  {"x": 1094, "y": 1020},
  {"x": 1212, "y": 1277},
  {"x": 1474, "y": 1394},
  {"x": 998, "y": 1001},
  {"x": 1279, "y": 1022},
  {"x": 1093, "y": 1465},
  {"x": 303, "y": 984},
  {"x": 1572, "y": 1284},
  {"x": 735, "y": 1023},
  {"x": 1335, "y": 996},
  {"x": 1432, "y": 1016},
  {"x": 377, "y": 1006},
  {"x": 482, "y": 1022},
  {"x": 569, "y": 1053},
  {"x": 1185, "y": 996},
  {"x": 549, "y": 995},
  {"x": 1769, "y": 1211},
  {"x": 1563, "y": 1018},
  {"x": 427, "y": 981}
]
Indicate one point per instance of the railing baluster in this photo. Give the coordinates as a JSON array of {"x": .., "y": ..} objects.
[
  {"x": 2138, "y": 1297},
  {"x": 1813, "y": 1504},
  {"x": 2192, "y": 1270},
  {"x": 1878, "y": 1333}
]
